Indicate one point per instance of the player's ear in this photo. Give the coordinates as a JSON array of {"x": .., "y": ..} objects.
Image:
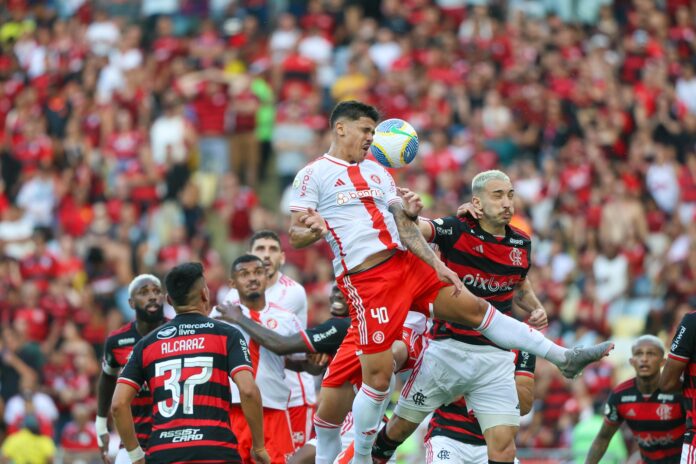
[
  {"x": 476, "y": 201},
  {"x": 231, "y": 283},
  {"x": 632, "y": 361},
  {"x": 340, "y": 128},
  {"x": 282, "y": 258},
  {"x": 169, "y": 300}
]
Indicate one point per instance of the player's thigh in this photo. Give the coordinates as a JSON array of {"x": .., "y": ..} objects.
[
  {"x": 463, "y": 308},
  {"x": 434, "y": 381},
  {"x": 492, "y": 394},
  {"x": 305, "y": 455},
  {"x": 122, "y": 457},
  {"x": 445, "y": 450},
  {"x": 335, "y": 403}
]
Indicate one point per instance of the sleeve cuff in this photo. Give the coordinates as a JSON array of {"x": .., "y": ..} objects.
[
  {"x": 298, "y": 209},
  {"x": 676, "y": 357},
  {"x": 432, "y": 231},
  {"x": 307, "y": 341},
  {"x": 109, "y": 370},
  {"x": 129, "y": 382},
  {"x": 241, "y": 368},
  {"x": 611, "y": 422},
  {"x": 525, "y": 374}
]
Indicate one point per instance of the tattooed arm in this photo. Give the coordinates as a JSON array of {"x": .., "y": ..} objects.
[
  {"x": 526, "y": 300},
  {"x": 412, "y": 238}
]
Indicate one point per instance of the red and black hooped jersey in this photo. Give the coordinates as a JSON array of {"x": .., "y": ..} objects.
[
  {"x": 657, "y": 421},
  {"x": 117, "y": 350},
  {"x": 187, "y": 364},
  {"x": 490, "y": 267},
  {"x": 683, "y": 349},
  {"x": 455, "y": 421}
]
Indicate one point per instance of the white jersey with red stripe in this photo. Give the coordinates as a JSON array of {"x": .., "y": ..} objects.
[
  {"x": 269, "y": 368},
  {"x": 354, "y": 201},
  {"x": 289, "y": 295}
]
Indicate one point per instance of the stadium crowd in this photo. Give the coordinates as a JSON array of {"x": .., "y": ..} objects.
[{"x": 136, "y": 135}]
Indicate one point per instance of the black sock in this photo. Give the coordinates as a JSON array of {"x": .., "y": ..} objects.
[
  {"x": 384, "y": 447},
  {"x": 500, "y": 462}
]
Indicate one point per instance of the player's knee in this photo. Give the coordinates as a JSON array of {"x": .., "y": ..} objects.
[
  {"x": 399, "y": 429},
  {"x": 378, "y": 377}
]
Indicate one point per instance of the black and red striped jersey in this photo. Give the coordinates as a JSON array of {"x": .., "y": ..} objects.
[
  {"x": 455, "y": 421},
  {"x": 327, "y": 336},
  {"x": 187, "y": 364},
  {"x": 490, "y": 267},
  {"x": 683, "y": 349},
  {"x": 117, "y": 350},
  {"x": 657, "y": 421}
]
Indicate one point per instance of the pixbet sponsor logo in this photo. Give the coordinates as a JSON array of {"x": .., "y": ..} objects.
[{"x": 489, "y": 284}]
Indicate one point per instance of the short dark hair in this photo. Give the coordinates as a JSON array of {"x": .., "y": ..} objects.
[
  {"x": 266, "y": 233},
  {"x": 246, "y": 258},
  {"x": 180, "y": 280},
  {"x": 353, "y": 110}
]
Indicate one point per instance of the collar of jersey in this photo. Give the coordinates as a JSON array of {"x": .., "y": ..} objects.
[{"x": 336, "y": 160}]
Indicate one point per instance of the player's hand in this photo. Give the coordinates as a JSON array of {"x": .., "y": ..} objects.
[
  {"x": 413, "y": 204},
  {"x": 538, "y": 319},
  {"x": 260, "y": 456},
  {"x": 470, "y": 209},
  {"x": 230, "y": 311},
  {"x": 314, "y": 222},
  {"x": 448, "y": 276},
  {"x": 320, "y": 359},
  {"x": 104, "y": 448}
]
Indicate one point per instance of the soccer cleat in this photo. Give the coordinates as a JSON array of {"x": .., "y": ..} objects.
[{"x": 579, "y": 357}]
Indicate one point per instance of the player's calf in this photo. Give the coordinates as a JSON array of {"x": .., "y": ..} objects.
[{"x": 500, "y": 441}]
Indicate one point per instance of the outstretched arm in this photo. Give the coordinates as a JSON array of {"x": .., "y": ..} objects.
[
  {"x": 412, "y": 238},
  {"x": 267, "y": 338}
]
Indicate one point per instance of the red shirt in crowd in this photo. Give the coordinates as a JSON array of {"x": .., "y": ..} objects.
[{"x": 211, "y": 109}]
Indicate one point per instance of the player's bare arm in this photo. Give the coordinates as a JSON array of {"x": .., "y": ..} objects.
[
  {"x": 105, "y": 391},
  {"x": 600, "y": 443},
  {"x": 670, "y": 379},
  {"x": 306, "y": 227},
  {"x": 123, "y": 418},
  {"x": 305, "y": 365},
  {"x": 525, "y": 393},
  {"x": 411, "y": 236},
  {"x": 279, "y": 344},
  {"x": 526, "y": 300},
  {"x": 250, "y": 399}
]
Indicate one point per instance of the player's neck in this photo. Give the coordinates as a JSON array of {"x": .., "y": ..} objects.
[
  {"x": 498, "y": 231},
  {"x": 144, "y": 328},
  {"x": 648, "y": 385},
  {"x": 255, "y": 304},
  {"x": 272, "y": 280},
  {"x": 339, "y": 153}
]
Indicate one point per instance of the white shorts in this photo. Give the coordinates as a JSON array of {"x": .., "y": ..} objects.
[
  {"x": 122, "y": 457},
  {"x": 448, "y": 369},
  {"x": 688, "y": 454},
  {"x": 445, "y": 450}
]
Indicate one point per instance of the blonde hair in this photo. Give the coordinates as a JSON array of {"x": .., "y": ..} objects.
[
  {"x": 649, "y": 339},
  {"x": 481, "y": 179}
]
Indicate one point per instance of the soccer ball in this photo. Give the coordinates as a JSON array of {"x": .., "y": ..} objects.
[{"x": 395, "y": 143}]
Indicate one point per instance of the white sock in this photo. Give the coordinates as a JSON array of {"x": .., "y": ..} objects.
[
  {"x": 508, "y": 332},
  {"x": 328, "y": 441},
  {"x": 368, "y": 409}
]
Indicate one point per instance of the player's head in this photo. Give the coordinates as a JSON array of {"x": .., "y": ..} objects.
[
  {"x": 266, "y": 245},
  {"x": 337, "y": 303},
  {"x": 647, "y": 356},
  {"x": 493, "y": 194},
  {"x": 249, "y": 277},
  {"x": 146, "y": 297},
  {"x": 353, "y": 125},
  {"x": 187, "y": 290}
]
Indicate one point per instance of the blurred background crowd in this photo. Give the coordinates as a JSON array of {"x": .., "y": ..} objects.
[{"x": 136, "y": 134}]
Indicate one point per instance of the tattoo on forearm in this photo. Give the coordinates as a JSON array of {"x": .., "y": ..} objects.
[{"x": 411, "y": 236}]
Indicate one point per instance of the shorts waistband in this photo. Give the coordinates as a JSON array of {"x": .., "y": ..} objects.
[{"x": 371, "y": 267}]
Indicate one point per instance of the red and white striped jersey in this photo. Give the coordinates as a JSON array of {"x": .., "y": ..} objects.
[
  {"x": 290, "y": 295},
  {"x": 354, "y": 201},
  {"x": 269, "y": 368}
]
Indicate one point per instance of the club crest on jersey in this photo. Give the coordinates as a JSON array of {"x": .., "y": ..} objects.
[
  {"x": 167, "y": 332},
  {"x": 344, "y": 197},
  {"x": 516, "y": 257},
  {"x": 664, "y": 412},
  {"x": 378, "y": 337},
  {"x": 271, "y": 323},
  {"x": 375, "y": 178}
]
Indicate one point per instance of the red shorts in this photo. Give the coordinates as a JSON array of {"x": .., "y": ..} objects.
[
  {"x": 379, "y": 298},
  {"x": 345, "y": 365},
  {"x": 301, "y": 423},
  {"x": 276, "y": 431}
]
